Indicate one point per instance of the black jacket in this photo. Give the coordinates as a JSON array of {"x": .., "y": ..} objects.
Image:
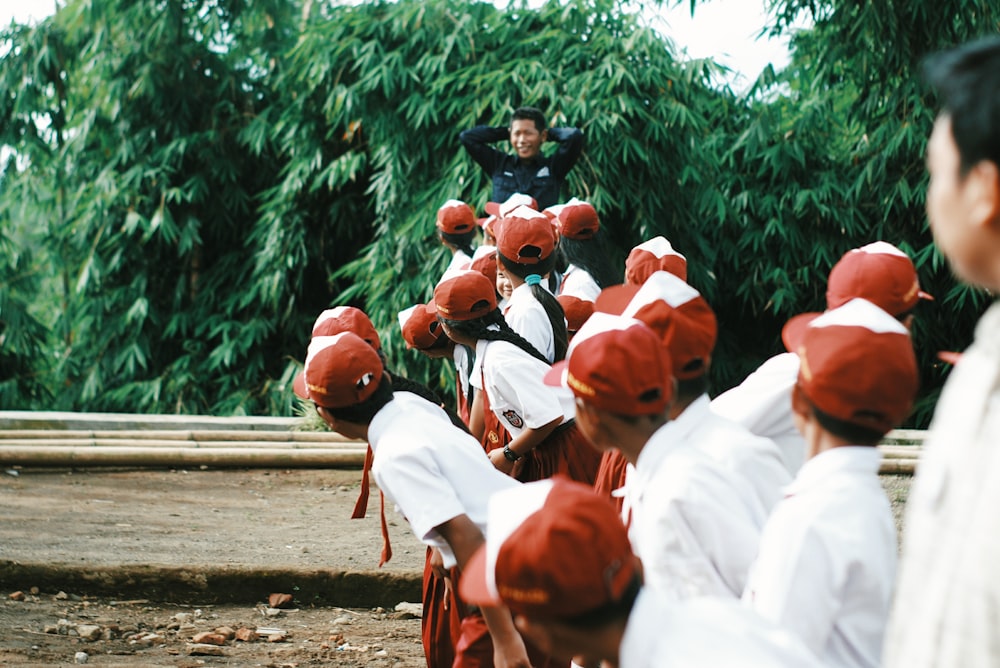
[{"x": 542, "y": 178}]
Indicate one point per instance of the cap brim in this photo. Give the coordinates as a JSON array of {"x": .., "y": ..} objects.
[
  {"x": 925, "y": 295},
  {"x": 299, "y": 385},
  {"x": 472, "y": 582},
  {"x": 493, "y": 208},
  {"x": 795, "y": 329},
  {"x": 556, "y": 376},
  {"x": 949, "y": 356},
  {"x": 615, "y": 299}
]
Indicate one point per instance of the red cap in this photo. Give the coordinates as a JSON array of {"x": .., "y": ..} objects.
[
  {"x": 576, "y": 310},
  {"x": 554, "y": 549},
  {"x": 502, "y": 209},
  {"x": 464, "y": 295},
  {"x": 617, "y": 364},
  {"x": 578, "y": 220},
  {"x": 484, "y": 260},
  {"x": 857, "y": 364},
  {"x": 456, "y": 217},
  {"x": 651, "y": 256},
  {"x": 420, "y": 327},
  {"x": 525, "y": 236},
  {"x": 346, "y": 319},
  {"x": 340, "y": 370},
  {"x": 676, "y": 312},
  {"x": 878, "y": 272}
]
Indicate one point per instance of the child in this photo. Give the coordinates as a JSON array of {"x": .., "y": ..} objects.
[
  {"x": 651, "y": 256},
  {"x": 584, "y": 256},
  {"x": 544, "y": 440},
  {"x": 456, "y": 230},
  {"x": 559, "y": 557},
  {"x": 433, "y": 471},
  {"x": 526, "y": 243},
  {"x": 827, "y": 557},
  {"x": 694, "y": 524}
]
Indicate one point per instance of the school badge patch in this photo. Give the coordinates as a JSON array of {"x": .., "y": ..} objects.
[{"x": 513, "y": 418}]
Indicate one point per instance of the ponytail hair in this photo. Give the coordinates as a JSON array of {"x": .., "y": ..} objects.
[
  {"x": 479, "y": 329},
  {"x": 462, "y": 242},
  {"x": 593, "y": 255},
  {"x": 557, "y": 318}
]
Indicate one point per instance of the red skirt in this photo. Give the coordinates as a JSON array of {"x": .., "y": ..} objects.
[
  {"x": 440, "y": 629},
  {"x": 565, "y": 451},
  {"x": 611, "y": 476}
]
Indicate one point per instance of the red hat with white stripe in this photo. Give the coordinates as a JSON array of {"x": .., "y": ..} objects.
[
  {"x": 576, "y": 219},
  {"x": 456, "y": 217},
  {"x": 676, "y": 312},
  {"x": 341, "y": 370},
  {"x": 651, "y": 256},
  {"x": 616, "y": 364},
  {"x": 857, "y": 364},
  {"x": 347, "y": 319},
  {"x": 464, "y": 295},
  {"x": 421, "y": 329},
  {"x": 878, "y": 272},
  {"x": 503, "y": 209},
  {"x": 525, "y": 236},
  {"x": 554, "y": 549}
]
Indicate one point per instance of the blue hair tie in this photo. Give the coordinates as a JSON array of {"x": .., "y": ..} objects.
[{"x": 533, "y": 279}]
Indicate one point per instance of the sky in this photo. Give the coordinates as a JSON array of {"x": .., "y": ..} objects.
[{"x": 725, "y": 30}]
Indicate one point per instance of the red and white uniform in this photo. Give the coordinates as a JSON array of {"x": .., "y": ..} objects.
[
  {"x": 763, "y": 404},
  {"x": 827, "y": 559},
  {"x": 694, "y": 524},
  {"x": 527, "y": 317},
  {"x": 577, "y": 282}
]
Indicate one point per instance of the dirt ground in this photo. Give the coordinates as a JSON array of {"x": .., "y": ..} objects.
[{"x": 129, "y": 566}]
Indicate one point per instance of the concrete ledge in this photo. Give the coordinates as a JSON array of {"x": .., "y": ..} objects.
[
  {"x": 110, "y": 421},
  {"x": 349, "y": 589}
]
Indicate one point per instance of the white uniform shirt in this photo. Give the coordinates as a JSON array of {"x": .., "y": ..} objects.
[
  {"x": 947, "y": 607},
  {"x": 827, "y": 559},
  {"x": 461, "y": 355},
  {"x": 517, "y": 393},
  {"x": 754, "y": 458},
  {"x": 694, "y": 525},
  {"x": 705, "y": 633},
  {"x": 459, "y": 260},
  {"x": 577, "y": 282},
  {"x": 763, "y": 404},
  {"x": 430, "y": 469},
  {"x": 527, "y": 317}
]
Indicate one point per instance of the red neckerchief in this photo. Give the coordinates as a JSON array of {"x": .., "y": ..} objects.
[{"x": 361, "y": 505}]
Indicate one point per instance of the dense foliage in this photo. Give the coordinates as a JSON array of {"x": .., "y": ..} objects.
[{"x": 195, "y": 181}]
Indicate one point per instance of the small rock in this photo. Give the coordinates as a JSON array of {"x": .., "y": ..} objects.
[
  {"x": 280, "y": 600},
  {"x": 187, "y": 628},
  {"x": 89, "y": 632},
  {"x": 410, "y": 610},
  {"x": 244, "y": 634},
  {"x": 196, "y": 649},
  {"x": 81, "y": 657},
  {"x": 272, "y": 612},
  {"x": 277, "y": 637},
  {"x": 182, "y": 617},
  {"x": 226, "y": 632},
  {"x": 208, "y": 638},
  {"x": 61, "y": 596},
  {"x": 343, "y": 619},
  {"x": 50, "y": 629},
  {"x": 17, "y": 596},
  {"x": 147, "y": 640},
  {"x": 34, "y": 591}
]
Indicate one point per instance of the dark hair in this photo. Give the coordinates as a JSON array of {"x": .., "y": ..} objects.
[
  {"x": 967, "y": 80},
  {"x": 364, "y": 412},
  {"x": 594, "y": 256},
  {"x": 530, "y": 114},
  {"x": 478, "y": 328},
  {"x": 461, "y": 241},
  {"x": 848, "y": 431},
  {"x": 611, "y": 611},
  {"x": 692, "y": 388},
  {"x": 553, "y": 309}
]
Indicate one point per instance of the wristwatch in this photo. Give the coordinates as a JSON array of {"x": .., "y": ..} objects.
[{"x": 510, "y": 454}]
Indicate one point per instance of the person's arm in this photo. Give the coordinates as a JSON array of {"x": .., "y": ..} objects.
[
  {"x": 570, "y": 142},
  {"x": 464, "y": 538},
  {"x": 477, "y": 142},
  {"x": 524, "y": 443},
  {"x": 477, "y": 418}
]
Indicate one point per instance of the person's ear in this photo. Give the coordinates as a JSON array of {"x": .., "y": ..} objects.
[
  {"x": 545, "y": 135},
  {"x": 329, "y": 419},
  {"x": 801, "y": 406},
  {"x": 983, "y": 186}
]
